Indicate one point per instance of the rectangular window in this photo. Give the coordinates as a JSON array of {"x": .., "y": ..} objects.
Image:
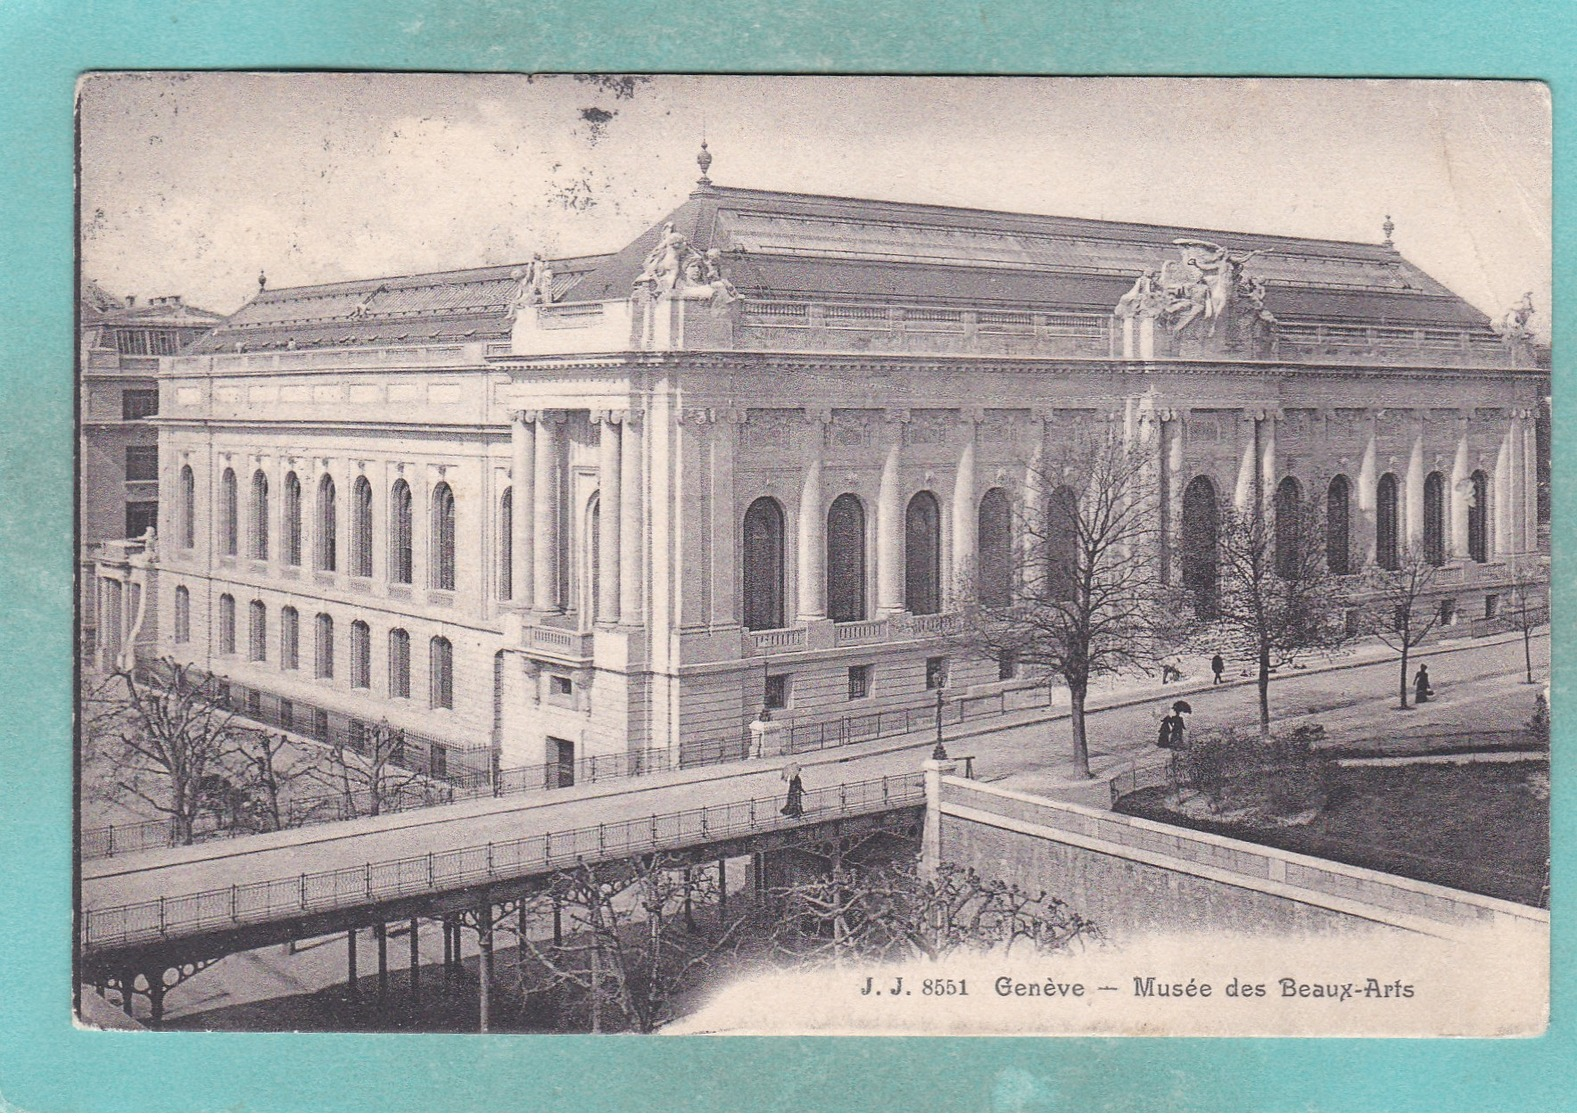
[
  {"x": 859, "y": 682},
  {"x": 1007, "y": 666},
  {"x": 287, "y": 714},
  {"x": 254, "y": 703},
  {"x": 777, "y": 692},
  {"x": 257, "y": 632},
  {"x": 289, "y": 638},
  {"x": 1448, "y": 610},
  {"x": 1491, "y": 606},
  {"x": 323, "y": 659},
  {"x": 936, "y": 672},
  {"x": 320, "y": 724},
  {"x": 560, "y": 686},
  {"x": 561, "y": 762},
  {"x": 183, "y": 615},
  {"x": 139, "y": 403},
  {"x": 226, "y": 625},
  {"x": 142, "y": 463},
  {"x": 141, "y": 517}
]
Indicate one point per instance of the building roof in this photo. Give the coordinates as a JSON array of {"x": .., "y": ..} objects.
[
  {"x": 803, "y": 247},
  {"x": 466, "y": 305}
]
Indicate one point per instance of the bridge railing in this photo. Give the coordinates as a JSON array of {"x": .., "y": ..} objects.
[{"x": 401, "y": 878}]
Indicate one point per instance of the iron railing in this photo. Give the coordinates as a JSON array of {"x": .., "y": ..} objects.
[{"x": 400, "y": 878}]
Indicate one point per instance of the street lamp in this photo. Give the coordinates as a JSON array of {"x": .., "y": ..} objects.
[{"x": 940, "y": 752}]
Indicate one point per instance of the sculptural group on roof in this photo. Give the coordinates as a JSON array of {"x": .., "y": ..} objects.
[
  {"x": 533, "y": 284},
  {"x": 1206, "y": 284},
  {"x": 674, "y": 269}
]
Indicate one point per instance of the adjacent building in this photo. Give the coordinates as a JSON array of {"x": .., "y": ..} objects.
[{"x": 612, "y": 506}]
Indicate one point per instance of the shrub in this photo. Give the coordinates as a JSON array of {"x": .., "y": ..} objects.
[{"x": 1274, "y": 777}]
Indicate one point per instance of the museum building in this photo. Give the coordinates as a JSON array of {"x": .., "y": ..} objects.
[{"x": 614, "y": 505}]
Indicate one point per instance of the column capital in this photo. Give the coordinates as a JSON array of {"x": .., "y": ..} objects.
[
  {"x": 971, "y": 414},
  {"x": 895, "y": 415},
  {"x": 523, "y": 415},
  {"x": 1042, "y": 414},
  {"x": 696, "y": 416},
  {"x": 817, "y": 415}
]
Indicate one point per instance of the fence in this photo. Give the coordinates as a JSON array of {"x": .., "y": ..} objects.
[
  {"x": 382, "y": 881},
  {"x": 854, "y": 729}
]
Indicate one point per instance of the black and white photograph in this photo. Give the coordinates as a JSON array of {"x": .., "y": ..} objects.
[{"x": 812, "y": 555}]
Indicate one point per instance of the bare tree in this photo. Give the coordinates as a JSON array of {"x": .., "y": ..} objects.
[
  {"x": 1529, "y": 607},
  {"x": 1401, "y": 611},
  {"x": 368, "y": 771},
  {"x": 1277, "y": 599},
  {"x": 1087, "y": 599},
  {"x": 632, "y": 943},
  {"x": 172, "y": 742},
  {"x": 270, "y": 766},
  {"x": 892, "y": 912}
]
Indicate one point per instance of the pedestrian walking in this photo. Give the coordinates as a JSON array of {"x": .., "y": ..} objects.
[
  {"x": 1163, "y": 739},
  {"x": 1422, "y": 691},
  {"x": 794, "y": 804},
  {"x": 1217, "y": 665}
]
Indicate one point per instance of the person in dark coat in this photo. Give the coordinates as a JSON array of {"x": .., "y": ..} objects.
[
  {"x": 1163, "y": 739},
  {"x": 1218, "y": 665},
  {"x": 1422, "y": 691},
  {"x": 1177, "y": 729},
  {"x": 794, "y": 804}
]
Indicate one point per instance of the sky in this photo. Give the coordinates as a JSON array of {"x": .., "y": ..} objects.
[{"x": 193, "y": 183}]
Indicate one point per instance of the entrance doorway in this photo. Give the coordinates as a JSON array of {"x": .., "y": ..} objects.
[{"x": 561, "y": 762}]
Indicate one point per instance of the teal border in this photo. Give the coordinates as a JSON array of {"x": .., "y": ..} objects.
[{"x": 45, "y": 1064}]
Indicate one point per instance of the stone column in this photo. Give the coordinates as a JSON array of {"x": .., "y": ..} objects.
[
  {"x": 889, "y": 521},
  {"x": 1503, "y": 543},
  {"x": 545, "y": 496},
  {"x": 1268, "y": 468},
  {"x": 966, "y": 520},
  {"x": 1530, "y": 480},
  {"x": 631, "y": 572},
  {"x": 1172, "y": 427},
  {"x": 522, "y": 471},
  {"x": 1031, "y": 541},
  {"x": 1367, "y": 481},
  {"x": 1461, "y": 491},
  {"x": 1413, "y": 489},
  {"x": 1515, "y": 487},
  {"x": 610, "y": 476},
  {"x": 812, "y": 574},
  {"x": 1243, "y": 492}
]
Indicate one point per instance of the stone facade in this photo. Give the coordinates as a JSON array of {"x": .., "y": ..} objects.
[{"x": 665, "y": 496}]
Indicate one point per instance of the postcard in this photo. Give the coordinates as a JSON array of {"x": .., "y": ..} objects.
[{"x": 790, "y": 555}]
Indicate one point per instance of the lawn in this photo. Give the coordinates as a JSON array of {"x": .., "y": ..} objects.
[{"x": 1483, "y": 828}]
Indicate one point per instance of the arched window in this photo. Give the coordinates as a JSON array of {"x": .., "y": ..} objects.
[
  {"x": 442, "y": 537},
  {"x": 763, "y": 565},
  {"x": 183, "y": 615},
  {"x": 1201, "y": 525},
  {"x": 1338, "y": 538},
  {"x": 361, "y": 528},
  {"x": 360, "y": 655},
  {"x": 229, "y": 530},
  {"x": 923, "y": 555},
  {"x": 1062, "y": 543},
  {"x": 846, "y": 559},
  {"x": 328, "y": 522},
  {"x": 1435, "y": 519},
  {"x": 400, "y": 533},
  {"x": 994, "y": 576},
  {"x": 1289, "y": 527},
  {"x": 257, "y": 632},
  {"x": 1478, "y": 518},
  {"x": 226, "y": 624},
  {"x": 187, "y": 508},
  {"x": 440, "y": 667},
  {"x": 290, "y": 521},
  {"x": 1385, "y": 549},
  {"x": 506, "y": 546},
  {"x": 323, "y": 650},
  {"x": 259, "y": 548},
  {"x": 399, "y": 663},
  {"x": 289, "y": 638}
]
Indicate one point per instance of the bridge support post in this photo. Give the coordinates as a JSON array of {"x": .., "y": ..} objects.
[
  {"x": 381, "y": 931},
  {"x": 484, "y": 942},
  {"x": 931, "y": 841},
  {"x": 416, "y": 961},
  {"x": 722, "y": 892},
  {"x": 350, "y": 961},
  {"x": 558, "y": 922},
  {"x": 689, "y": 894},
  {"x": 155, "y": 998}
]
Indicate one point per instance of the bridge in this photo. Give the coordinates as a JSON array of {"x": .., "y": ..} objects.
[{"x": 162, "y": 915}]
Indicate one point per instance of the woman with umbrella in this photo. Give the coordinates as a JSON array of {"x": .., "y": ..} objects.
[
  {"x": 794, "y": 805},
  {"x": 1179, "y": 708}
]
